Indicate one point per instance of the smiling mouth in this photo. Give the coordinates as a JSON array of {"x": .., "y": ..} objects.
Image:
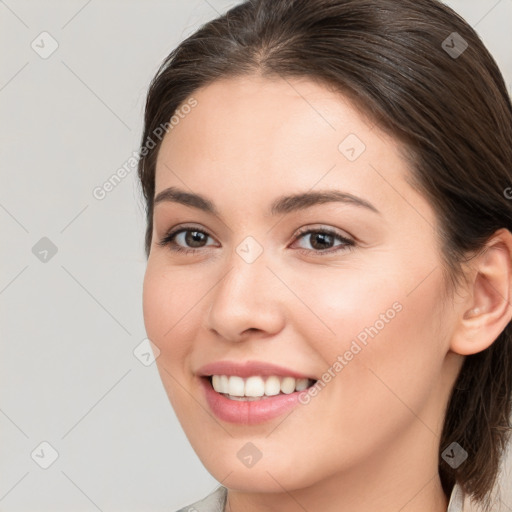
[{"x": 256, "y": 387}]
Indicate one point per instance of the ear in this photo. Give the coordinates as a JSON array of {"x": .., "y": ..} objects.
[{"x": 487, "y": 308}]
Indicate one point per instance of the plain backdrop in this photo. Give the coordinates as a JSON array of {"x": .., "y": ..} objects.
[{"x": 72, "y": 265}]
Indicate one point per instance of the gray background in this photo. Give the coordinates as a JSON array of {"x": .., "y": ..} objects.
[{"x": 69, "y": 325}]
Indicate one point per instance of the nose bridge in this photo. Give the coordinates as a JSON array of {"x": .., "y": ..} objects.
[
  {"x": 245, "y": 298},
  {"x": 248, "y": 273}
]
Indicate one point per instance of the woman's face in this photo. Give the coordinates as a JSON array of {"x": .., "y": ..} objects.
[{"x": 364, "y": 317}]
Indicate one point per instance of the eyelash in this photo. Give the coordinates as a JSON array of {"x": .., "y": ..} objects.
[{"x": 348, "y": 244}]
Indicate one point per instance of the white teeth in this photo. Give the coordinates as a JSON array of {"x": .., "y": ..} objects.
[
  {"x": 224, "y": 384},
  {"x": 272, "y": 386},
  {"x": 256, "y": 386},
  {"x": 301, "y": 384},
  {"x": 236, "y": 386},
  {"x": 288, "y": 385}
]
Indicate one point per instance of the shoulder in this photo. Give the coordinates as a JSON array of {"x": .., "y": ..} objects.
[
  {"x": 214, "y": 502},
  {"x": 457, "y": 499}
]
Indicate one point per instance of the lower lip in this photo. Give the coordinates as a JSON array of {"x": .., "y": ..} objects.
[{"x": 248, "y": 412}]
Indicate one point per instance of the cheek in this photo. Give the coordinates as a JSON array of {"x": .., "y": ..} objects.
[
  {"x": 168, "y": 311},
  {"x": 154, "y": 304},
  {"x": 165, "y": 305},
  {"x": 383, "y": 352},
  {"x": 393, "y": 359}
]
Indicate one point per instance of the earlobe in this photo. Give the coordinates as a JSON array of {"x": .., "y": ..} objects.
[{"x": 488, "y": 309}]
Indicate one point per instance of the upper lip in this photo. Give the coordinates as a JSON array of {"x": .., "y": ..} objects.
[{"x": 248, "y": 369}]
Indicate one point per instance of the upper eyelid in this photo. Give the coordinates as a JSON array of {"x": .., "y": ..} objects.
[
  {"x": 322, "y": 228},
  {"x": 301, "y": 230}
]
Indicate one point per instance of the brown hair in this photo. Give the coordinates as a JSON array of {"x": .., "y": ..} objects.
[{"x": 396, "y": 61}]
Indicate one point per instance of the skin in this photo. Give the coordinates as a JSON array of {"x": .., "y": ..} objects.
[{"x": 369, "y": 440}]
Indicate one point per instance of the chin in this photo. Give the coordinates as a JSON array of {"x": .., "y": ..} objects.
[{"x": 262, "y": 477}]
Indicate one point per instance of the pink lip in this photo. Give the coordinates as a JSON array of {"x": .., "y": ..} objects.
[
  {"x": 248, "y": 412},
  {"x": 248, "y": 369}
]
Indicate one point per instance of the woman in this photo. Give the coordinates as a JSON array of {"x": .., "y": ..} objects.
[{"x": 329, "y": 255}]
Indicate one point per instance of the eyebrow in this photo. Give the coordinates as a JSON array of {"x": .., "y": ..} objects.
[{"x": 282, "y": 205}]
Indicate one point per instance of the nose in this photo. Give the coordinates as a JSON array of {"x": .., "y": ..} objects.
[{"x": 248, "y": 297}]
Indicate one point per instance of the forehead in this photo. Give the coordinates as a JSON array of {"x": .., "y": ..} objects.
[
  {"x": 253, "y": 113},
  {"x": 254, "y": 136}
]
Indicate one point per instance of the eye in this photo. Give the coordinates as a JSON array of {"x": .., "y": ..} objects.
[
  {"x": 192, "y": 236},
  {"x": 322, "y": 239}
]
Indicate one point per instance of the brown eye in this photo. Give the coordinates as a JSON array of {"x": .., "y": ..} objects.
[
  {"x": 195, "y": 238},
  {"x": 321, "y": 241},
  {"x": 186, "y": 240}
]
